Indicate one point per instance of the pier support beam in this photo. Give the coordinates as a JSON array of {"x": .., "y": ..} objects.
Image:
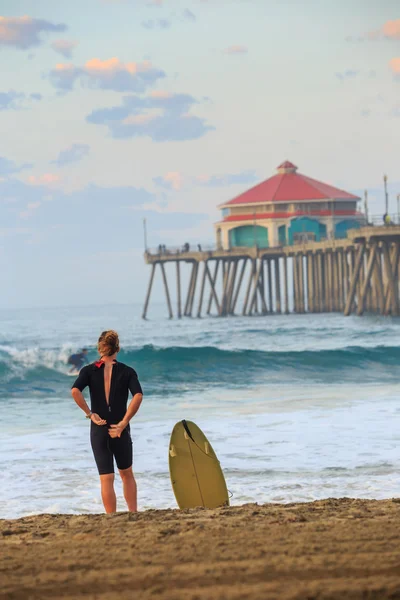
[
  {"x": 392, "y": 269},
  {"x": 278, "y": 303},
  {"x": 146, "y": 302},
  {"x": 178, "y": 290},
  {"x": 203, "y": 283},
  {"x": 212, "y": 279},
  {"x": 285, "y": 285},
  {"x": 171, "y": 314},
  {"x": 239, "y": 283},
  {"x": 354, "y": 280}
]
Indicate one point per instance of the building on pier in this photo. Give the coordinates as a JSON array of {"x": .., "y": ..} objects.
[{"x": 287, "y": 209}]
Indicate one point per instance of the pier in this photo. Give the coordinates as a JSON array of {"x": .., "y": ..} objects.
[{"x": 353, "y": 275}]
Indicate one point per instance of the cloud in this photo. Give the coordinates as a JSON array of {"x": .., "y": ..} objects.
[
  {"x": 155, "y": 2},
  {"x": 244, "y": 177},
  {"x": 73, "y": 154},
  {"x": 174, "y": 180},
  {"x": 162, "y": 116},
  {"x": 9, "y": 167},
  {"x": 171, "y": 181},
  {"x": 64, "y": 47},
  {"x": 13, "y": 100},
  {"x": 111, "y": 74},
  {"x": 389, "y": 31},
  {"x": 47, "y": 179},
  {"x": 24, "y": 32},
  {"x": 238, "y": 49},
  {"x": 29, "y": 210},
  {"x": 157, "y": 24},
  {"x": 395, "y": 67},
  {"x": 188, "y": 15},
  {"x": 348, "y": 74}
]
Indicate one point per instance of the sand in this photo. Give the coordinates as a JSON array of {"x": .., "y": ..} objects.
[{"x": 330, "y": 549}]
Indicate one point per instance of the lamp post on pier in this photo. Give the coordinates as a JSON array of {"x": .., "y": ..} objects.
[
  {"x": 386, "y": 194},
  {"x": 145, "y": 234}
]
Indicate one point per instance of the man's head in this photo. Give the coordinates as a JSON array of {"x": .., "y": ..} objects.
[
  {"x": 84, "y": 350},
  {"x": 108, "y": 343}
]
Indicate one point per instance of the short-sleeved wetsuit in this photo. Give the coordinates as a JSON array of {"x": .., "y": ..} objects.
[{"x": 123, "y": 380}]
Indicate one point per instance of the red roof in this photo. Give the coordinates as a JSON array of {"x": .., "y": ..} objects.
[{"x": 289, "y": 185}]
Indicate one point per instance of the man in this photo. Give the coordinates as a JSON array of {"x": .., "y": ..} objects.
[
  {"x": 109, "y": 383},
  {"x": 78, "y": 360}
]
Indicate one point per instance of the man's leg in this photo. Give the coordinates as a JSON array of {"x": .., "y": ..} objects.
[
  {"x": 107, "y": 493},
  {"x": 130, "y": 488}
]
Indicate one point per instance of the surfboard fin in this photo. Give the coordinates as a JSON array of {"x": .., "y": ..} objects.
[
  {"x": 207, "y": 447},
  {"x": 172, "y": 451}
]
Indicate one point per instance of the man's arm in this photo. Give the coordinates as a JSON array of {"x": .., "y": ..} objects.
[
  {"x": 132, "y": 409},
  {"x": 81, "y": 402},
  {"x": 116, "y": 430}
]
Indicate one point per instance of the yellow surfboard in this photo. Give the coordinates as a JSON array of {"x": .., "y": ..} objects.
[{"x": 196, "y": 475}]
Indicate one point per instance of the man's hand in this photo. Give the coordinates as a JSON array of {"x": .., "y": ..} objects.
[
  {"x": 97, "y": 420},
  {"x": 116, "y": 430}
]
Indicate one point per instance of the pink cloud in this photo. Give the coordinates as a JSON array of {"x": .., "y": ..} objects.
[
  {"x": 64, "y": 47},
  {"x": 143, "y": 119},
  {"x": 24, "y": 32},
  {"x": 113, "y": 65},
  {"x": 237, "y": 49},
  {"x": 47, "y": 179},
  {"x": 173, "y": 180},
  {"x": 160, "y": 94},
  {"x": 391, "y": 29},
  {"x": 111, "y": 74},
  {"x": 395, "y": 66}
]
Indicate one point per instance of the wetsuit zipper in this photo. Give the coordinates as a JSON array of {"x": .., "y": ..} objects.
[{"x": 111, "y": 386}]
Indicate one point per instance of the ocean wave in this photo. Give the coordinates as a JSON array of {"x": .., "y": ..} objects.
[{"x": 165, "y": 370}]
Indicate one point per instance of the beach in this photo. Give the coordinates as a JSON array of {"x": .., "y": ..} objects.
[{"x": 328, "y": 549}]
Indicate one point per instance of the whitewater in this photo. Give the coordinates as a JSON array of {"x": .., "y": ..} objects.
[{"x": 297, "y": 407}]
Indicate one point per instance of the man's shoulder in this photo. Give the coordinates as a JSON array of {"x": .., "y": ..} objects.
[{"x": 126, "y": 368}]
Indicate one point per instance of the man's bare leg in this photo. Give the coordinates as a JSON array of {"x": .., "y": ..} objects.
[
  {"x": 107, "y": 493},
  {"x": 130, "y": 488}
]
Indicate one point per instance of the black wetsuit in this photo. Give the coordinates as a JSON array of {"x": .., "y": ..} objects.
[{"x": 123, "y": 380}]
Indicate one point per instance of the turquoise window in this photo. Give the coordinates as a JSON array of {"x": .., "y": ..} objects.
[{"x": 249, "y": 236}]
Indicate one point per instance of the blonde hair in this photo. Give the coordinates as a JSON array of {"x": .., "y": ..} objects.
[{"x": 108, "y": 343}]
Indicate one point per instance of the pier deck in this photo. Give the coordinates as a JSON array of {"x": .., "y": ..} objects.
[{"x": 354, "y": 274}]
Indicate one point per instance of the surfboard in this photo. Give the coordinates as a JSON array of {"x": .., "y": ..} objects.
[
  {"x": 196, "y": 475},
  {"x": 73, "y": 374}
]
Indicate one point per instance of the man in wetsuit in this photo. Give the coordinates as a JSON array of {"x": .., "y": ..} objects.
[
  {"x": 109, "y": 384},
  {"x": 78, "y": 360}
]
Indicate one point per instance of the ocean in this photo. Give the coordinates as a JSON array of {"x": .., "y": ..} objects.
[{"x": 297, "y": 407}]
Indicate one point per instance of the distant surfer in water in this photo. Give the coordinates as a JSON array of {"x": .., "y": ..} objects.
[
  {"x": 109, "y": 384},
  {"x": 78, "y": 360}
]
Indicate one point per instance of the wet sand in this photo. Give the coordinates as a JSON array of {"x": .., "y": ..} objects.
[{"x": 330, "y": 549}]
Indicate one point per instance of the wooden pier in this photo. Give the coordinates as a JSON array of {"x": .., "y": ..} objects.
[{"x": 353, "y": 275}]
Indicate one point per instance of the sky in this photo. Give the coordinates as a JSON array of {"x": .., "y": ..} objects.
[{"x": 115, "y": 111}]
